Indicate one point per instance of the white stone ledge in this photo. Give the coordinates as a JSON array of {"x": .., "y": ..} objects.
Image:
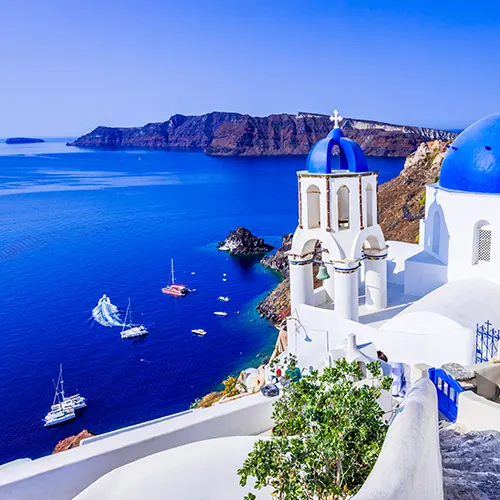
[
  {"x": 64, "y": 475},
  {"x": 409, "y": 465},
  {"x": 476, "y": 413}
]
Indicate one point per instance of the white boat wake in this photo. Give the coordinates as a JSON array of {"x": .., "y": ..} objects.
[{"x": 106, "y": 314}]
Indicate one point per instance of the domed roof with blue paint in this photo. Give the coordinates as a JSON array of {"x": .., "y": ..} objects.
[
  {"x": 320, "y": 157},
  {"x": 472, "y": 163}
]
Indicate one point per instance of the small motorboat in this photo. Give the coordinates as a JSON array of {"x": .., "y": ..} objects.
[
  {"x": 199, "y": 332},
  {"x": 224, "y": 279},
  {"x": 220, "y": 313},
  {"x": 224, "y": 299}
]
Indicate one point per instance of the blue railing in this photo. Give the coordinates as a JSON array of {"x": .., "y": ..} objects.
[
  {"x": 487, "y": 341},
  {"x": 448, "y": 390}
]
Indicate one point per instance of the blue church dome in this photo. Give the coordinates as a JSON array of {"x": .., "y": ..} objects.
[
  {"x": 472, "y": 162},
  {"x": 320, "y": 157}
]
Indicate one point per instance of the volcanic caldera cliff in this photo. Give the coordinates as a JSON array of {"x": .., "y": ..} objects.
[{"x": 234, "y": 134}]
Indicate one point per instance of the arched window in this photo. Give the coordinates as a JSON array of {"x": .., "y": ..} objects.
[
  {"x": 343, "y": 195},
  {"x": 313, "y": 207},
  {"x": 436, "y": 232},
  {"x": 483, "y": 238},
  {"x": 369, "y": 205}
]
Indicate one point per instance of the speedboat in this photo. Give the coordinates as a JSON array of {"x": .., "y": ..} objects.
[
  {"x": 199, "y": 332},
  {"x": 224, "y": 299},
  {"x": 220, "y": 313}
]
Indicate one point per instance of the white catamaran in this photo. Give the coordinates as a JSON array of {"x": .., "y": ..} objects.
[
  {"x": 63, "y": 407},
  {"x": 129, "y": 330}
]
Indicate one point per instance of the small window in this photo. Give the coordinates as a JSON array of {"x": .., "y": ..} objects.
[{"x": 484, "y": 244}]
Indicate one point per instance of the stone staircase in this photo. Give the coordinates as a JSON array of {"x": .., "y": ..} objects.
[{"x": 471, "y": 464}]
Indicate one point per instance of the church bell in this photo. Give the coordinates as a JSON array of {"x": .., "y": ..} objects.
[{"x": 322, "y": 273}]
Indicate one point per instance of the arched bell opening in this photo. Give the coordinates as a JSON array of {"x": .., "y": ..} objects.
[
  {"x": 313, "y": 195},
  {"x": 343, "y": 207},
  {"x": 370, "y": 202}
]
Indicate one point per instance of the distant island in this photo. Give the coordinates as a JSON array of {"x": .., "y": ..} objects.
[
  {"x": 234, "y": 134},
  {"x": 22, "y": 140}
]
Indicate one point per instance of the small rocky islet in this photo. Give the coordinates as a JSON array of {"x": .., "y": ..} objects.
[
  {"x": 241, "y": 241},
  {"x": 23, "y": 140}
]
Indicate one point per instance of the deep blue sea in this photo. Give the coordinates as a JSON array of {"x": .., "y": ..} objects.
[{"x": 77, "y": 224}]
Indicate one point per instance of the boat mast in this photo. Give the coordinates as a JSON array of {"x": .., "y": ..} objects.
[
  {"x": 172, "y": 265},
  {"x": 126, "y": 315},
  {"x": 62, "y": 381}
]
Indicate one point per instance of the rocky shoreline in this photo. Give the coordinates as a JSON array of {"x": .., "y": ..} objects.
[{"x": 234, "y": 134}]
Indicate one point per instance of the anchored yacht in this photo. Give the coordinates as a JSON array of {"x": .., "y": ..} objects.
[{"x": 130, "y": 331}]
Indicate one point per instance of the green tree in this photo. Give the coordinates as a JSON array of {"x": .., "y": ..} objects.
[{"x": 328, "y": 434}]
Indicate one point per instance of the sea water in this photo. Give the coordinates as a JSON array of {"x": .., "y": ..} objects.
[{"x": 77, "y": 224}]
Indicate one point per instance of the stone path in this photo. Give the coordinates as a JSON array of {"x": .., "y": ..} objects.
[{"x": 471, "y": 464}]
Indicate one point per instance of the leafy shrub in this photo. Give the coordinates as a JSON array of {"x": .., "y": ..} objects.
[{"x": 328, "y": 434}]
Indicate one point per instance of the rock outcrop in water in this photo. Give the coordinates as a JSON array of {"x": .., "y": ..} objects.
[
  {"x": 22, "y": 140},
  {"x": 242, "y": 242},
  {"x": 234, "y": 134},
  {"x": 72, "y": 441}
]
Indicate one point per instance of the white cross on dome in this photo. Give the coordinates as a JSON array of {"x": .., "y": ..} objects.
[{"x": 336, "y": 118}]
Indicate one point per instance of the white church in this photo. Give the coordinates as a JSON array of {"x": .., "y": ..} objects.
[
  {"x": 415, "y": 302},
  {"x": 418, "y": 303}
]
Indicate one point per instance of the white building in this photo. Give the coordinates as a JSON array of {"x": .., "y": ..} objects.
[{"x": 416, "y": 302}]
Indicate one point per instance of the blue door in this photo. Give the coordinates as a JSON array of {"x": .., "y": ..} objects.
[{"x": 448, "y": 390}]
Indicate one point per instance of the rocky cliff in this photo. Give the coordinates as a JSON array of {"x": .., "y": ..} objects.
[
  {"x": 401, "y": 201},
  {"x": 276, "y": 306},
  {"x": 233, "y": 134},
  {"x": 242, "y": 242}
]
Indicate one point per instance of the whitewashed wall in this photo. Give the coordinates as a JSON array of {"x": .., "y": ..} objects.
[
  {"x": 409, "y": 465},
  {"x": 460, "y": 212},
  {"x": 422, "y": 338},
  {"x": 64, "y": 475},
  {"x": 476, "y": 413}
]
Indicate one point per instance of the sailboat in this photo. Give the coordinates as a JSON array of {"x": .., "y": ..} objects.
[
  {"x": 63, "y": 407},
  {"x": 174, "y": 289},
  {"x": 130, "y": 331}
]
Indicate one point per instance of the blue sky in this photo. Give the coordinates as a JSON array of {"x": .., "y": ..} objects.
[{"x": 70, "y": 66}]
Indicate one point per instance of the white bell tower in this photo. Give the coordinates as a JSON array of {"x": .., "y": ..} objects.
[{"x": 338, "y": 229}]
